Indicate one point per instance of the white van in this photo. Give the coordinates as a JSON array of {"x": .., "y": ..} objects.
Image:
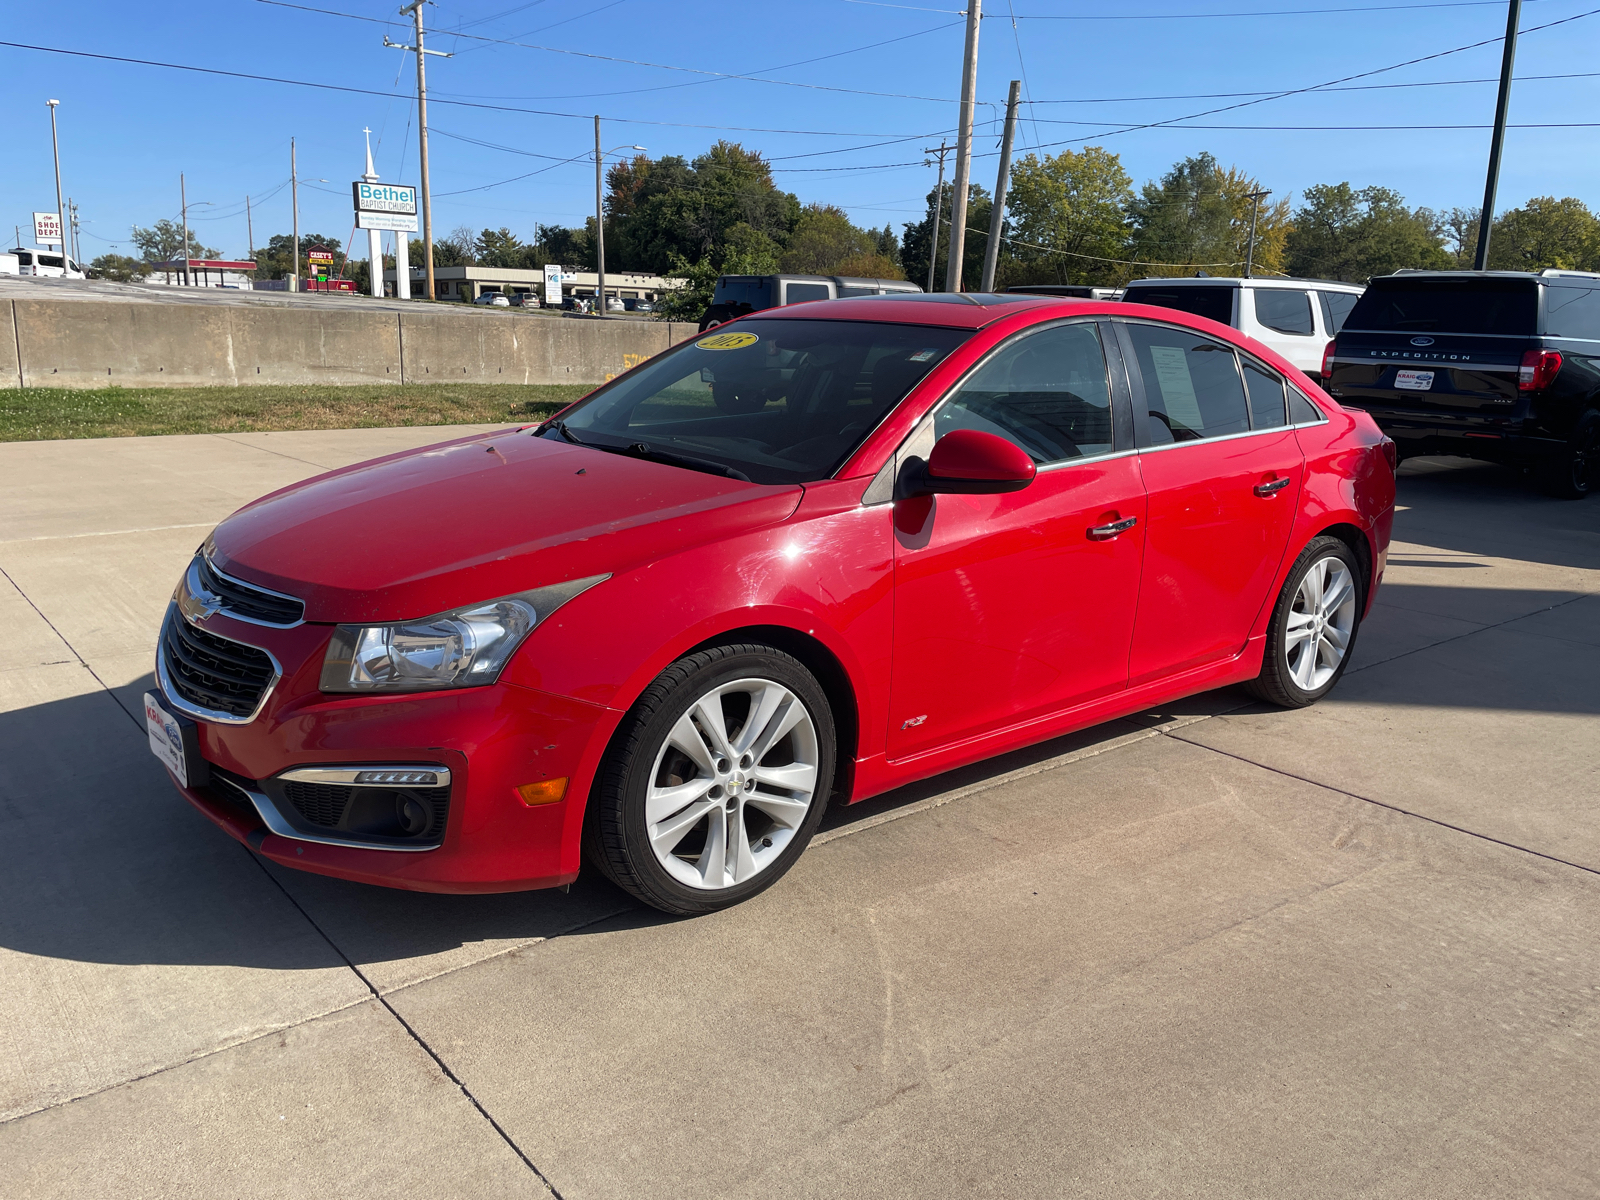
[
  {"x": 46, "y": 263},
  {"x": 1295, "y": 317},
  {"x": 9, "y": 265}
]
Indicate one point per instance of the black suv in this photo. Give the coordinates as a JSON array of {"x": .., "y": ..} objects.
[{"x": 1497, "y": 365}]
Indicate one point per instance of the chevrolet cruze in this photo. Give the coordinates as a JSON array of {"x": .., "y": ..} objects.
[{"x": 811, "y": 556}]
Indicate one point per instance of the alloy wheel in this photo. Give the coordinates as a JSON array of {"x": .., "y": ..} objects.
[
  {"x": 1321, "y": 622},
  {"x": 732, "y": 783}
]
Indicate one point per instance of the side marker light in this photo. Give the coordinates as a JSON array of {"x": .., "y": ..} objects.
[{"x": 546, "y": 791}]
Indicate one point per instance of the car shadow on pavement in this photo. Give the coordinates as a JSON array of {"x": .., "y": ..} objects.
[{"x": 1479, "y": 508}]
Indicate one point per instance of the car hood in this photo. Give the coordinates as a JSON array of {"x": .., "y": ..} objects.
[{"x": 428, "y": 530}]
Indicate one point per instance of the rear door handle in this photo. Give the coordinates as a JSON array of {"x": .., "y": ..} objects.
[
  {"x": 1272, "y": 487},
  {"x": 1101, "y": 533}
]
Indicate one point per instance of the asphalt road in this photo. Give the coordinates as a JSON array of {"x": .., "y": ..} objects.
[{"x": 1211, "y": 951}]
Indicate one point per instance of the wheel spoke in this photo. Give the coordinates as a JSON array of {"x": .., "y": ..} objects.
[
  {"x": 1299, "y": 629},
  {"x": 714, "y": 858},
  {"x": 686, "y": 737},
  {"x": 790, "y": 716},
  {"x": 708, "y": 714},
  {"x": 666, "y": 835},
  {"x": 793, "y": 777},
  {"x": 786, "y": 812},
  {"x": 741, "y": 863},
  {"x": 1336, "y": 637},
  {"x": 661, "y": 802},
  {"x": 763, "y": 705},
  {"x": 1343, "y": 589},
  {"x": 1304, "y": 669},
  {"x": 1311, "y": 585}
]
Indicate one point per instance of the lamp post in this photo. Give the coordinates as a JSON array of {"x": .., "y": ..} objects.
[
  {"x": 55, "y": 147},
  {"x": 600, "y": 216}
]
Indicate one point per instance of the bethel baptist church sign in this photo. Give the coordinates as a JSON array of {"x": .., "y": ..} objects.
[{"x": 385, "y": 206}]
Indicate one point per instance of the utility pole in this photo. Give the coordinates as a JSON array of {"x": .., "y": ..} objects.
[
  {"x": 414, "y": 10},
  {"x": 958, "y": 202},
  {"x": 249, "y": 228},
  {"x": 1250, "y": 248},
  {"x": 294, "y": 203},
  {"x": 76, "y": 253},
  {"x": 938, "y": 209},
  {"x": 1497, "y": 142},
  {"x": 997, "y": 215},
  {"x": 599, "y": 225},
  {"x": 55, "y": 146},
  {"x": 183, "y": 202}
]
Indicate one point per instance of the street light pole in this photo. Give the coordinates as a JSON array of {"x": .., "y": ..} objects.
[
  {"x": 1497, "y": 142},
  {"x": 183, "y": 208},
  {"x": 55, "y": 147},
  {"x": 958, "y": 201},
  {"x": 1250, "y": 248},
  {"x": 414, "y": 10},
  {"x": 997, "y": 215}
]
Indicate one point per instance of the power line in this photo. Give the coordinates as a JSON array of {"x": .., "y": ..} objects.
[
  {"x": 1364, "y": 87},
  {"x": 1282, "y": 12}
]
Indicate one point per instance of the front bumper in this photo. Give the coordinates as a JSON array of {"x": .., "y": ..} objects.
[{"x": 491, "y": 740}]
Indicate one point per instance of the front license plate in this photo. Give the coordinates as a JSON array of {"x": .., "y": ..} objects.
[
  {"x": 166, "y": 738},
  {"x": 1414, "y": 381}
]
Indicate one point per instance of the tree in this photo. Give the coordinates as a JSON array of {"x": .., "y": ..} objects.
[
  {"x": 916, "y": 243},
  {"x": 163, "y": 242},
  {"x": 749, "y": 252},
  {"x": 119, "y": 267},
  {"x": 1066, "y": 217},
  {"x": 823, "y": 238},
  {"x": 273, "y": 261},
  {"x": 1546, "y": 232},
  {"x": 1459, "y": 227},
  {"x": 567, "y": 247},
  {"x": 1342, "y": 233},
  {"x": 1198, "y": 218}
]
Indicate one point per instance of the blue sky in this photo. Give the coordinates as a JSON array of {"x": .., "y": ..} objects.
[{"x": 882, "y": 73}]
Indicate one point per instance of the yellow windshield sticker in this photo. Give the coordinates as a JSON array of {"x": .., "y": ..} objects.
[{"x": 727, "y": 341}]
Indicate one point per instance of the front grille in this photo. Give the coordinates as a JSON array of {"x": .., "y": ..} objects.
[
  {"x": 214, "y": 673},
  {"x": 240, "y": 599},
  {"x": 233, "y": 788},
  {"x": 375, "y": 811}
]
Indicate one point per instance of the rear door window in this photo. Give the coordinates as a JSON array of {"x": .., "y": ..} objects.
[
  {"x": 1212, "y": 302},
  {"x": 1336, "y": 308},
  {"x": 796, "y": 293},
  {"x": 1266, "y": 395},
  {"x": 1191, "y": 385},
  {"x": 24, "y": 259},
  {"x": 1284, "y": 310},
  {"x": 1046, "y": 392},
  {"x": 1468, "y": 306},
  {"x": 1572, "y": 312}
]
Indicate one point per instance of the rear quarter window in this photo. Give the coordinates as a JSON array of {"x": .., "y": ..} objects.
[
  {"x": 1470, "y": 306},
  {"x": 1572, "y": 312},
  {"x": 1336, "y": 308},
  {"x": 797, "y": 293},
  {"x": 1215, "y": 303},
  {"x": 1284, "y": 310}
]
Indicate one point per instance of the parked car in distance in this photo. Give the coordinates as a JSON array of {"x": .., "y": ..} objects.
[
  {"x": 739, "y": 295},
  {"x": 525, "y": 300},
  {"x": 637, "y": 304},
  {"x": 494, "y": 299},
  {"x": 816, "y": 554},
  {"x": 46, "y": 264},
  {"x": 1496, "y": 365},
  {"x": 1078, "y": 291},
  {"x": 9, "y": 265},
  {"x": 1295, "y": 317},
  {"x": 575, "y": 304},
  {"x": 614, "y": 304}
]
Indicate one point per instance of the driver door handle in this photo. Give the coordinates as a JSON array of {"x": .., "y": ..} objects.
[
  {"x": 1272, "y": 487},
  {"x": 1102, "y": 533}
]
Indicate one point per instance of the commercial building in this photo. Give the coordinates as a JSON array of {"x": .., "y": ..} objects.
[
  {"x": 468, "y": 283},
  {"x": 203, "y": 272}
]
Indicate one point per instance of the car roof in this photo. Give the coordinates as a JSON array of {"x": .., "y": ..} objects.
[
  {"x": 958, "y": 310},
  {"x": 1243, "y": 280},
  {"x": 1458, "y": 276}
]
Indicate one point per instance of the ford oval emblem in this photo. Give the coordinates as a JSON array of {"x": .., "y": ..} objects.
[{"x": 1422, "y": 341}]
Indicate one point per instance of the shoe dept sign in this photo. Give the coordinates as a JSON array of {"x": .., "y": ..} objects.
[{"x": 385, "y": 206}]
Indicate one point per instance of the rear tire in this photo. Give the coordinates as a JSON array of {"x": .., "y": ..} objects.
[
  {"x": 1314, "y": 626},
  {"x": 715, "y": 781},
  {"x": 1571, "y": 474},
  {"x": 714, "y": 316}
]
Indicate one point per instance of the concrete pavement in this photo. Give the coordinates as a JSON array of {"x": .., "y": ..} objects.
[{"x": 1214, "y": 950}]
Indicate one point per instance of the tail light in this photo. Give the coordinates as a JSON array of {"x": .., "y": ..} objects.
[
  {"x": 1327, "y": 359},
  {"x": 1538, "y": 370},
  {"x": 1392, "y": 453}
]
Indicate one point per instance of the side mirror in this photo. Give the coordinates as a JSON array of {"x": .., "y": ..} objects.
[{"x": 969, "y": 462}]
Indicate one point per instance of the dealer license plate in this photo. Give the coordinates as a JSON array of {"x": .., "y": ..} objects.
[
  {"x": 1414, "y": 381},
  {"x": 166, "y": 738}
]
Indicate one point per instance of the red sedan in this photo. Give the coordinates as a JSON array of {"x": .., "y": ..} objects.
[{"x": 819, "y": 553}]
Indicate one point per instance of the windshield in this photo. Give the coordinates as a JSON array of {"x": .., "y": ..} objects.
[
  {"x": 1203, "y": 300},
  {"x": 775, "y": 401},
  {"x": 1507, "y": 306}
]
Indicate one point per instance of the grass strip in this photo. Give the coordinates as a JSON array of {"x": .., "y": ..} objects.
[{"x": 36, "y": 414}]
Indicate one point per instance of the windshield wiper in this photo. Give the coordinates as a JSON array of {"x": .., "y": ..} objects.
[
  {"x": 641, "y": 450},
  {"x": 561, "y": 428}
]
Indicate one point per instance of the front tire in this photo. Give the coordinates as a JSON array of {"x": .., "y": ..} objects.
[
  {"x": 716, "y": 780},
  {"x": 1314, "y": 626}
]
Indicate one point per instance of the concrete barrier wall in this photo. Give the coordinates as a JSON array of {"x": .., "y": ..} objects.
[{"x": 91, "y": 344}]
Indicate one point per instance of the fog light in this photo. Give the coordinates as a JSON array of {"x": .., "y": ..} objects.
[
  {"x": 546, "y": 791},
  {"x": 413, "y": 816}
]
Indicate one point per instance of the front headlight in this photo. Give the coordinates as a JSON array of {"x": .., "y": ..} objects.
[{"x": 466, "y": 647}]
